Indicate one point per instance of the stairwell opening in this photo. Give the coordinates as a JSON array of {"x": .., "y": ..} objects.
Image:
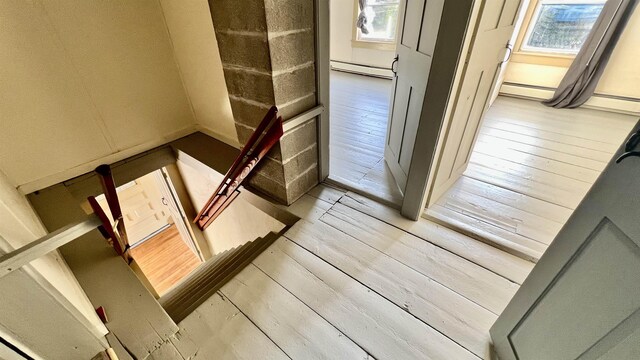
[{"x": 180, "y": 176}]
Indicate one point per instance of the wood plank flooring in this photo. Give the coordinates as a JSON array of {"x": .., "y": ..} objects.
[
  {"x": 530, "y": 168},
  {"x": 355, "y": 280},
  {"x": 359, "y": 115},
  {"x": 165, "y": 259}
]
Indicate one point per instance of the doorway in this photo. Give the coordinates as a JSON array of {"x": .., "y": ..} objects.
[
  {"x": 529, "y": 169},
  {"x": 359, "y": 117},
  {"x": 160, "y": 238},
  {"x": 512, "y": 174},
  {"x": 360, "y": 88}
]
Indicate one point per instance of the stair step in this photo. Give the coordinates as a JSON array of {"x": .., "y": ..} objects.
[{"x": 184, "y": 298}]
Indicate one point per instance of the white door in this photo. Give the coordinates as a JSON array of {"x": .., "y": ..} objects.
[
  {"x": 142, "y": 208},
  {"x": 419, "y": 23},
  {"x": 582, "y": 300},
  {"x": 488, "y": 48}
]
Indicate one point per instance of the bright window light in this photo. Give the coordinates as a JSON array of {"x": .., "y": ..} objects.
[
  {"x": 561, "y": 26},
  {"x": 382, "y": 21}
]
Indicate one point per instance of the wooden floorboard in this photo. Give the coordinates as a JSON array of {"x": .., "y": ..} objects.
[
  {"x": 297, "y": 329},
  {"x": 479, "y": 285},
  {"x": 531, "y": 166},
  {"x": 359, "y": 115},
  {"x": 165, "y": 259},
  {"x": 383, "y": 329},
  {"x": 450, "y": 313},
  {"x": 219, "y": 330},
  {"x": 504, "y": 264},
  {"x": 352, "y": 280}
]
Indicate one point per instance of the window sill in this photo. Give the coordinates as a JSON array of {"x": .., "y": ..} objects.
[
  {"x": 377, "y": 45},
  {"x": 550, "y": 59}
]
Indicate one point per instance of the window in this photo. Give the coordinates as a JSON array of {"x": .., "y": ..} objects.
[
  {"x": 561, "y": 26},
  {"x": 382, "y": 21}
]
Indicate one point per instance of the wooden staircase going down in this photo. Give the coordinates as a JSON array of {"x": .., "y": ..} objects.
[{"x": 183, "y": 299}]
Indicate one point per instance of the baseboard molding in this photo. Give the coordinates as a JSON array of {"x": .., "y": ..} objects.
[
  {"x": 216, "y": 135},
  {"x": 598, "y": 102},
  {"x": 361, "y": 69}
]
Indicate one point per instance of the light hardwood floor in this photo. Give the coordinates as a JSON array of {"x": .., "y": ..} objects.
[
  {"x": 359, "y": 115},
  {"x": 530, "y": 168},
  {"x": 165, "y": 259},
  {"x": 355, "y": 280}
]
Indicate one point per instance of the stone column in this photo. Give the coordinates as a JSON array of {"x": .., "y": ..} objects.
[{"x": 267, "y": 49}]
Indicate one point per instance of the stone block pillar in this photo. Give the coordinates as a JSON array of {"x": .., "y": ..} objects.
[{"x": 267, "y": 49}]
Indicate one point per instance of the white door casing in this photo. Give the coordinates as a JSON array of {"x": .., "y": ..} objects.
[
  {"x": 172, "y": 202},
  {"x": 419, "y": 21},
  {"x": 582, "y": 299},
  {"x": 493, "y": 31}
]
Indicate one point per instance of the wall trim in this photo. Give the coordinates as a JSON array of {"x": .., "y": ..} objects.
[
  {"x": 361, "y": 69},
  {"x": 81, "y": 169},
  {"x": 302, "y": 118},
  {"x": 218, "y": 136},
  {"x": 618, "y": 104}
]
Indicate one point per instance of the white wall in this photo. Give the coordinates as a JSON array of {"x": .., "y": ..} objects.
[
  {"x": 198, "y": 57},
  {"x": 87, "y": 82},
  {"x": 342, "y": 18},
  {"x": 239, "y": 223}
]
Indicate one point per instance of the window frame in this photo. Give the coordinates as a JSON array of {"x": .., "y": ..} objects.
[
  {"x": 377, "y": 44},
  {"x": 532, "y": 22}
]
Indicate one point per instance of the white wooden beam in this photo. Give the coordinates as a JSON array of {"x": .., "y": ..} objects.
[
  {"x": 300, "y": 119},
  {"x": 24, "y": 255}
]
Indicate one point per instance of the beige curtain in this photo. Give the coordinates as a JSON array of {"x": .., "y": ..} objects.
[{"x": 583, "y": 75}]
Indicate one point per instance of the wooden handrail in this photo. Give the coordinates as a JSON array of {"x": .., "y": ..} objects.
[
  {"x": 111, "y": 195},
  {"x": 266, "y": 135},
  {"x": 15, "y": 259},
  {"x": 106, "y": 229}
]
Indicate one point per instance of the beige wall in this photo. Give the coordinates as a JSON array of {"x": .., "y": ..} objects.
[
  {"x": 342, "y": 18},
  {"x": 621, "y": 77},
  {"x": 86, "y": 82},
  {"x": 89, "y": 82},
  {"x": 198, "y": 57},
  {"x": 239, "y": 223}
]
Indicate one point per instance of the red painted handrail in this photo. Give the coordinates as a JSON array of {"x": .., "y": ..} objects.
[
  {"x": 261, "y": 141},
  {"x": 111, "y": 195}
]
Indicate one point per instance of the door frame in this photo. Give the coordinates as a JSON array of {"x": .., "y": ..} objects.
[
  {"x": 176, "y": 209},
  {"x": 323, "y": 68},
  {"x": 437, "y": 106}
]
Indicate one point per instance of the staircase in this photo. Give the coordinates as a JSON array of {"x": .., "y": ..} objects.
[{"x": 209, "y": 277}]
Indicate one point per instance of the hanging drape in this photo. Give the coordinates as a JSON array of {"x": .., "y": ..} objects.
[
  {"x": 361, "y": 23},
  {"x": 583, "y": 75}
]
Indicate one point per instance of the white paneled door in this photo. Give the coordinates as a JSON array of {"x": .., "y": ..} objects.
[
  {"x": 582, "y": 299},
  {"x": 488, "y": 49},
  {"x": 419, "y": 23}
]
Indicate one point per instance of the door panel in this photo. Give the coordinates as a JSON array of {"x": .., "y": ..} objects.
[
  {"x": 142, "y": 208},
  {"x": 582, "y": 300},
  {"x": 604, "y": 272},
  {"x": 420, "y": 21},
  {"x": 414, "y": 107},
  {"x": 488, "y": 49}
]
